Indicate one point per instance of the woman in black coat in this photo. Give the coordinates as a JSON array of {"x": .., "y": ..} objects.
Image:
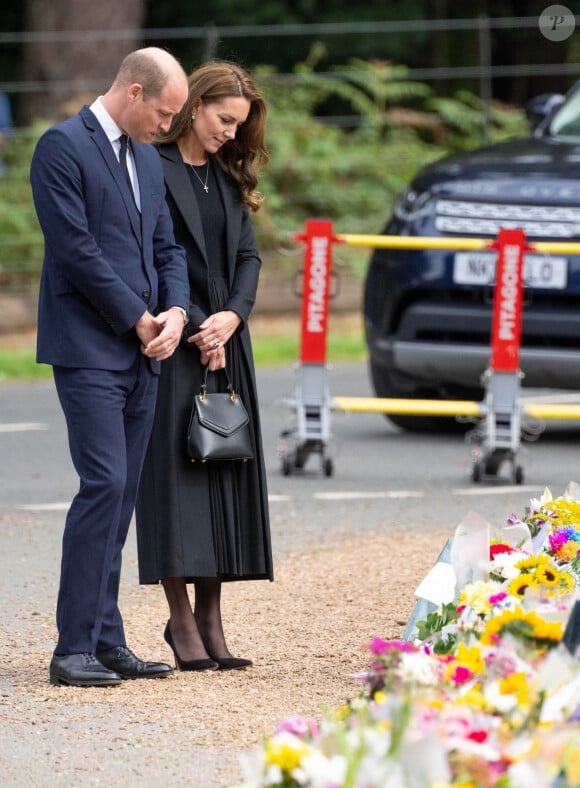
[{"x": 205, "y": 523}]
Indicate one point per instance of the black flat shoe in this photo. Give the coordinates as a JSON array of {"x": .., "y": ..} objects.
[
  {"x": 187, "y": 664},
  {"x": 122, "y": 660},
  {"x": 81, "y": 670}
]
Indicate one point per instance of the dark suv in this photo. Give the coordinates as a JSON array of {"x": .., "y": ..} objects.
[{"x": 428, "y": 313}]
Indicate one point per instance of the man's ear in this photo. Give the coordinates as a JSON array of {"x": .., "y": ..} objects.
[{"x": 135, "y": 91}]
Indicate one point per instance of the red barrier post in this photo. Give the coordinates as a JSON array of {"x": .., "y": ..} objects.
[
  {"x": 507, "y": 301},
  {"x": 319, "y": 239}
]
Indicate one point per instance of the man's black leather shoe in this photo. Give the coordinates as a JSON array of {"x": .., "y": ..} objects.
[
  {"x": 81, "y": 670},
  {"x": 122, "y": 660}
]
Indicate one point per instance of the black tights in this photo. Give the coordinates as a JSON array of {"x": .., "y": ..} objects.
[{"x": 197, "y": 633}]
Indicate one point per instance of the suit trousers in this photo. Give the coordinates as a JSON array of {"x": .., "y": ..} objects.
[{"x": 109, "y": 415}]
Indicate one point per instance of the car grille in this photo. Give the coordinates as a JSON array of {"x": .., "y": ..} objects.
[{"x": 485, "y": 219}]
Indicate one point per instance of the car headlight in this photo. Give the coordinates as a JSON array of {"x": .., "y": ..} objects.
[{"x": 411, "y": 204}]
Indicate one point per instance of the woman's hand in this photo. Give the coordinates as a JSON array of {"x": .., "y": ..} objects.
[
  {"x": 215, "y": 359},
  {"x": 215, "y": 332}
]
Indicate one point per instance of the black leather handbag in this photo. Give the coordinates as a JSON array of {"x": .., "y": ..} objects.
[{"x": 219, "y": 427}]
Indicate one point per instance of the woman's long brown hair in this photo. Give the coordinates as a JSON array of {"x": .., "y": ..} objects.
[{"x": 243, "y": 156}]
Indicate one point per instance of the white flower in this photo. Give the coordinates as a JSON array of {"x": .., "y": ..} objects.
[
  {"x": 418, "y": 668},
  {"x": 318, "y": 771},
  {"x": 524, "y": 774},
  {"x": 504, "y": 565},
  {"x": 494, "y": 696}
]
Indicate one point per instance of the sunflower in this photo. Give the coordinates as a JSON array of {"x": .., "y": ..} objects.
[
  {"x": 530, "y": 562},
  {"x": 547, "y": 576},
  {"x": 517, "y": 586}
]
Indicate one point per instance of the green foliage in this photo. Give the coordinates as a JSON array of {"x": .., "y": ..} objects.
[
  {"x": 464, "y": 115},
  {"x": 430, "y": 628},
  {"x": 268, "y": 352},
  {"x": 347, "y": 169},
  {"x": 21, "y": 239},
  {"x": 352, "y": 174},
  {"x": 21, "y": 365},
  {"x": 275, "y": 351}
]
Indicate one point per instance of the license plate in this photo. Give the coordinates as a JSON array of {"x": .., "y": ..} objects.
[{"x": 541, "y": 271}]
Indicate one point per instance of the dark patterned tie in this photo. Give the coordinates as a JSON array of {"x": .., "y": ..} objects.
[{"x": 123, "y": 161}]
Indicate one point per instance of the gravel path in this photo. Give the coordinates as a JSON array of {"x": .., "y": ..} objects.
[{"x": 306, "y": 633}]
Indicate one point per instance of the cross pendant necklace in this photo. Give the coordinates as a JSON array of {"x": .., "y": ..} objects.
[{"x": 203, "y": 183}]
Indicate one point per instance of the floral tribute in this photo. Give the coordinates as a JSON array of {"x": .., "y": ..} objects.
[{"x": 485, "y": 694}]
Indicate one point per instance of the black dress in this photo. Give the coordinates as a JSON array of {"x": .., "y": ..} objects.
[{"x": 203, "y": 519}]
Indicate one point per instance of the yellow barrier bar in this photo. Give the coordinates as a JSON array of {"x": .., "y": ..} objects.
[
  {"x": 435, "y": 407},
  {"x": 465, "y": 244},
  {"x": 415, "y": 242},
  {"x": 427, "y": 407},
  {"x": 556, "y": 247},
  {"x": 551, "y": 411}
]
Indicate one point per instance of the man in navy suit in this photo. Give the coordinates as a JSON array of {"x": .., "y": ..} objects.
[{"x": 112, "y": 305}]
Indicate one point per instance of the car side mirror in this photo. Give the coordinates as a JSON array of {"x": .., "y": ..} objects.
[{"x": 538, "y": 108}]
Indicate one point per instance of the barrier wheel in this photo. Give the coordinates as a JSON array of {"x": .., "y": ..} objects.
[
  {"x": 476, "y": 472},
  {"x": 492, "y": 465},
  {"x": 300, "y": 458},
  {"x": 286, "y": 467},
  {"x": 328, "y": 467}
]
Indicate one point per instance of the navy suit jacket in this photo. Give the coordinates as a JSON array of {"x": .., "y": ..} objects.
[{"x": 103, "y": 265}]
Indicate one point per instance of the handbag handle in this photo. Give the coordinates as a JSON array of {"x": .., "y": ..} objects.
[{"x": 229, "y": 387}]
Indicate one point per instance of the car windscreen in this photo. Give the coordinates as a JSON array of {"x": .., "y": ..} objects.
[{"x": 565, "y": 123}]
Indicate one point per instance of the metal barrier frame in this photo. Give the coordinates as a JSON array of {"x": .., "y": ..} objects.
[{"x": 499, "y": 414}]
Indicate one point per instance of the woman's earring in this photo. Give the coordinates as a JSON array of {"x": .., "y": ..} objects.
[{"x": 193, "y": 115}]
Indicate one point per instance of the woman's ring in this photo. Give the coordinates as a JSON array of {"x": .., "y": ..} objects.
[{"x": 216, "y": 344}]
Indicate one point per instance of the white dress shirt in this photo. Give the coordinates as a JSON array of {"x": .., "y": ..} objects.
[{"x": 113, "y": 133}]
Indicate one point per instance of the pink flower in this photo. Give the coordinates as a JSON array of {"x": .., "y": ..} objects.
[
  {"x": 297, "y": 725},
  {"x": 379, "y": 646},
  {"x": 495, "y": 599},
  {"x": 461, "y": 675},
  {"x": 557, "y": 540},
  {"x": 478, "y": 736}
]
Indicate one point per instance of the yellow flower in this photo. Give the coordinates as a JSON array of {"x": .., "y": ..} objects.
[
  {"x": 532, "y": 561},
  {"x": 476, "y": 596},
  {"x": 472, "y": 698},
  {"x": 567, "y": 512},
  {"x": 567, "y": 581},
  {"x": 341, "y": 712},
  {"x": 284, "y": 755},
  {"x": 546, "y": 630},
  {"x": 572, "y": 761},
  {"x": 517, "y": 586},
  {"x": 515, "y": 684},
  {"x": 529, "y": 625},
  {"x": 547, "y": 576},
  {"x": 470, "y": 657}
]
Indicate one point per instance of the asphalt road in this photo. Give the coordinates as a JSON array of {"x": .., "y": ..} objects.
[{"x": 383, "y": 477}]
